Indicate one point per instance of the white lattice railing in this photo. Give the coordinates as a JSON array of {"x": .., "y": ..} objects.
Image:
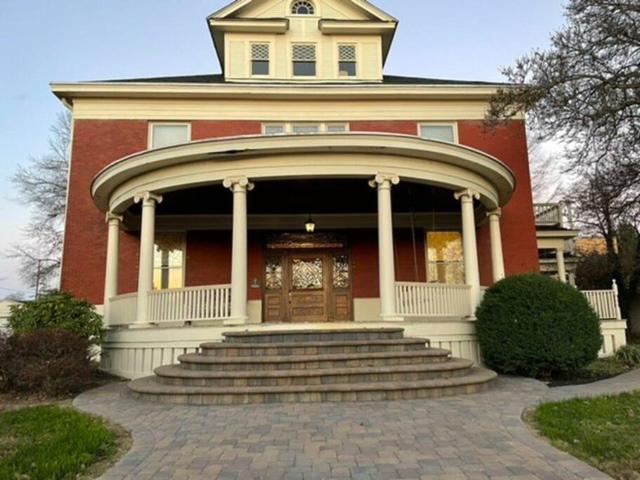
[
  {"x": 605, "y": 302},
  {"x": 122, "y": 309},
  {"x": 190, "y": 304},
  {"x": 432, "y": 300}
]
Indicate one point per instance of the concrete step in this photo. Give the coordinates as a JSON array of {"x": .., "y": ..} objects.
[
  {"x": 196, "y": 361},
  {"x": 220, "y": 349},
  {"x": 324, "y": 335},
  {"x": 175, "y": 375},
  {"x": 477, "y": 380}
]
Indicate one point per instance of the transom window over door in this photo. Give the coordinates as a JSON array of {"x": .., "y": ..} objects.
[
  {"x": 304, "y": 60},
  {"x": 303, "y": 8},
  {"x": 303, "y": 128},
  {"x": 445, "y": 260}
]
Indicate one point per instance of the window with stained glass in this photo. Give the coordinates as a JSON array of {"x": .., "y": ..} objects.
[
  {"x": 445, "y": 258},
  {"x": 341, "y": 272},
  {"x": 168, "y": 261},
  {"x": 307, "y": 274},
  {"x": 273, "y": 273}
]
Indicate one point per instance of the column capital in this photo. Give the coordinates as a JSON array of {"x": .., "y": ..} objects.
[
  {"x": 109, "y": 216},
  {"x": 466, "y": 194},
  {"x": 497, "y": 213},
  {"x": 147, "y": 197},
  {"x": 233, "y": 183},
  {"x": 384, "y": 180}
]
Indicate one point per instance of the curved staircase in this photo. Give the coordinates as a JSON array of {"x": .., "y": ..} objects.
[{"x": 312, "y": 366}]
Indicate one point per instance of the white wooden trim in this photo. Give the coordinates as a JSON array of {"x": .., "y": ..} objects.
[
  {"x": 191, "y": 304},
  {"x": 415, "y": 299}
]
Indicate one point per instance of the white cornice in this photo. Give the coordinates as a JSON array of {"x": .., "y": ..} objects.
[{"x": 69, "y": 91}]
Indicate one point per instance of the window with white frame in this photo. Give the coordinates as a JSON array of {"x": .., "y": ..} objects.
[
  {"x": 168, "y": 134},
  {"x": 260, "y": 58},
  {"x": 304, "y": 59},
  {"x": 347, "y": 61},
  {"x": 306, "y": 128},
  {"x": 168, "y": 261},
  {"x": 303, "y": 8},
  {"x": 439, "y": 131}
]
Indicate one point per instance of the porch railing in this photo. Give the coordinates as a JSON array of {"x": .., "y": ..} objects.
[
  {"x": 605, "y": 302},
  {"x": 432, "y": 300},
  {"x": 548, "y": 214},
  {"x": 122, "y": 309},
  {"x": 190, "y": 304}
]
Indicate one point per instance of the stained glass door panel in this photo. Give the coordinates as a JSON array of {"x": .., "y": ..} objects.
[{"x": 308, "y": 288}]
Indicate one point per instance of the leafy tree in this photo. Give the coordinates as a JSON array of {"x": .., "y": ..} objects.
[{"x": 42, "y": 185}]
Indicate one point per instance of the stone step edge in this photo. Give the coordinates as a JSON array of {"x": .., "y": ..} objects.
[
  {"x": 174, "y": 371},
  {"x": 337, "y": 343},
  {"x": 267, "y": 333},
  {"x": 208, "y": 359},
  {"x": 148, "y": 385}
]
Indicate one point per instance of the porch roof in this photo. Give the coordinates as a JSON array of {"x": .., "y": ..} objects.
[{"x": 352, "y": 155}]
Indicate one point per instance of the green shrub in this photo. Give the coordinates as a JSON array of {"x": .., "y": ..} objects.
[
  {"x": 48, "y": 362},
  {"x": 535, "y": 326},
  {"x": 58, "y": 310},
  {"x": 629, "y": 355}
]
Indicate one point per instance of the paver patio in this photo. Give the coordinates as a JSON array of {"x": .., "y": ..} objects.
[{"x": 467, "y": 437}]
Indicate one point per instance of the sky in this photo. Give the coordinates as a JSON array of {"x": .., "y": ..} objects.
[{"x": 73, "y": 40}]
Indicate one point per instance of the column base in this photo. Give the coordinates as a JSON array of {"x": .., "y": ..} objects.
[
  {"x": 391, "y": 318},
  {"x": 229, "y": 322}
]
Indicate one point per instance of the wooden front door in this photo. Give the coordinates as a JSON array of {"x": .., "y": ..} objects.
[{"x": 307, "y": 286}]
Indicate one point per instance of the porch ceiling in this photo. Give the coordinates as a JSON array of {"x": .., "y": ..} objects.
[{"x": 325, "y": 156}]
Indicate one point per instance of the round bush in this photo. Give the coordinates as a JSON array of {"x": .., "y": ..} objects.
[
  {"x": 535, "y": 326},
  {"x": 58, "y": 310},
  {"x": 47, "y": 362}
]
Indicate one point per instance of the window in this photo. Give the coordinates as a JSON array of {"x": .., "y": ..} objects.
[
  {"x": 347, "y": 65},
  {"x": 304, "y": 60},
  {"x": 168, "y": 261},
  {"x": 302, "y": 8},
  {"x": 167, "y": 134},
  {"x": 260, "y": 58},
  {"x": 303, "y": 128},
  {"x": 275, "y": 129},
  {"x": 443, "y": 133},
  {"x": 445, "y": 260}
]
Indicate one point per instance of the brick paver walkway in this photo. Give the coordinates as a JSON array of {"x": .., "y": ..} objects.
[{"x": 468, "y": 437}]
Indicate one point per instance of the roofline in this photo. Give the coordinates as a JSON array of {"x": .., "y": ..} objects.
[{"x": 71, "y": 90}]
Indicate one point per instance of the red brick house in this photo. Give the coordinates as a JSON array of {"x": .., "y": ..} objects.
[{"x": 301, "y": 186}]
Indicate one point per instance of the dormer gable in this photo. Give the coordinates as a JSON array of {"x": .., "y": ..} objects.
[{"x": 302, "y": 40}]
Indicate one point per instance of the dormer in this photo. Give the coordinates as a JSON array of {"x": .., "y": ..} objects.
[{"x": 306, "y": 41}]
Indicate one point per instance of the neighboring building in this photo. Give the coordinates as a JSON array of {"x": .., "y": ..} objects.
[
  {"x": 556, "y": 241},
  {"x": 5, "y": 312},
  {"x": 378, "y": 199}
]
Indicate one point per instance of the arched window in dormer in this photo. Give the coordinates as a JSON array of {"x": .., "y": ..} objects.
[{"x": 303, "y": 8}]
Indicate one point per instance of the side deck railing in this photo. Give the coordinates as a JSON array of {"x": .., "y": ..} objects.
[
  {"x": 432, "y": 300},
  {"x": 191, "y": 304},
  {"x": 605, "y": 302}
]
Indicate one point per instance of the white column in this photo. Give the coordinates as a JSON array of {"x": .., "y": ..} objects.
[
  {"x": 562, "y": 269},
  {"x": 497, "y": 259},
  {"x": 147, "y": 243},
  {"x": 470, "y": 246},
  {"x": 239, "y": 186},
  {"x": 111, "y": 272},
  {"x": 383, "y": 182}
]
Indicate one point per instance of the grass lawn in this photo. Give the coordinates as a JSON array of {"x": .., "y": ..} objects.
[
  {"x": 52, "y": 443},
  {"x": 603, "y": 431}
]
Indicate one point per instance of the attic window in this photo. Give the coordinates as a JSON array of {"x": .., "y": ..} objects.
[
  {"x": 260, "y": 59},
  {"x": 303, "y": 8},
  {"x": 304, "y": 60},
  {"x": 347, "y": 65}
]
